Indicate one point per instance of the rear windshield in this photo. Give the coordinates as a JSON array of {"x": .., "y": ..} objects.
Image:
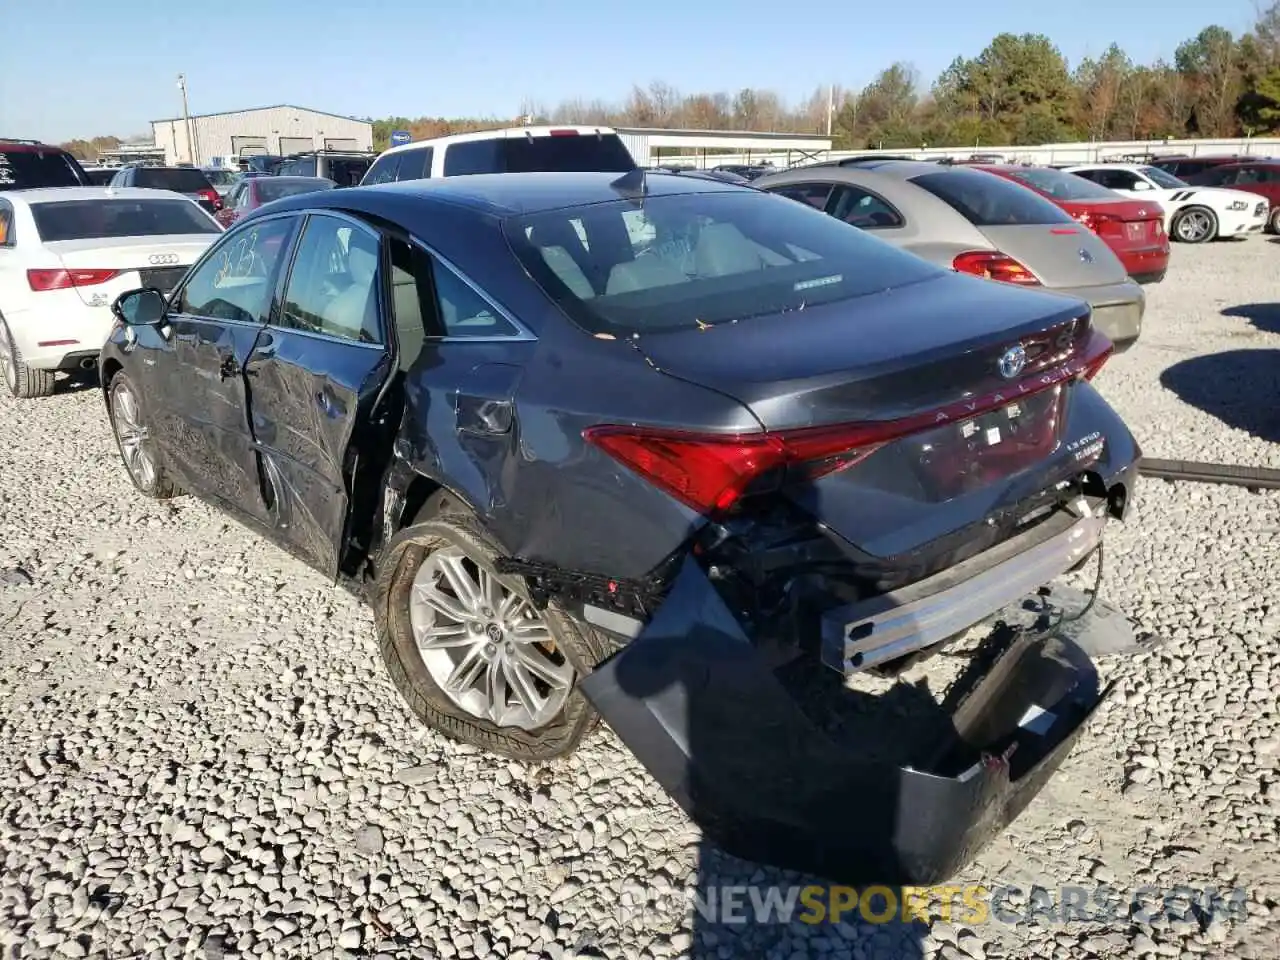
[
  {"x": 29, "y": 169},
  {"x": 575, "y": 153},
  {"x": 986, "y": 200},
  {"x": 180, "y": 180},
  {"x": 693, "y": 260},
  {"x": 1059, "y": 185},
  {"x": 101, "y": 219},
  {"x": 222, "y": 178},
  {"x": 269, "y": 188}
]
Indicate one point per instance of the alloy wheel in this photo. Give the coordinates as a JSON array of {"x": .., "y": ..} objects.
[
  {"x": 135, "y": 440},
  {"x": 1194, "y": 226},
  {"x": 485, "y": 646}
]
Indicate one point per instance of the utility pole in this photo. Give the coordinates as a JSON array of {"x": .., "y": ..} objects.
[
  {"x": 186, "y": 118},
  {"x": 831, "y": 105}
]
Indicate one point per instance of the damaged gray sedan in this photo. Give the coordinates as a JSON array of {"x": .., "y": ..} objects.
[{"x": 627, "y": 447}]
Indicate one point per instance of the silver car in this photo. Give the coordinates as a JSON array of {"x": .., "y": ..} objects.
[{"x": 974, "y": 222}]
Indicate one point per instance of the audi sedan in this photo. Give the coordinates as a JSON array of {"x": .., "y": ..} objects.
[
  {"x": 66, "y": 253},
  {"x": 600, "y": 446}
]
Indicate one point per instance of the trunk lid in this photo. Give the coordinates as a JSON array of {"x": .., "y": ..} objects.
[
  {"x": 914, "y": 378},
  {"x": 1060, "y": 255},
  {"x": 1123, "y": 224},
  {"x": 138, "y": 261}
]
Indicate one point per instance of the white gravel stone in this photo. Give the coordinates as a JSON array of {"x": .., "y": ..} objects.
[{"x": 200, "y": 744}]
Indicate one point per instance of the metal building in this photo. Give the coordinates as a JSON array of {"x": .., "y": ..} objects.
[{"x": 282, "y": 129}]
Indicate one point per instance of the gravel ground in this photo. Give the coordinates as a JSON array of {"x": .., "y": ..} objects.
[{"x": 200, "y": 754}]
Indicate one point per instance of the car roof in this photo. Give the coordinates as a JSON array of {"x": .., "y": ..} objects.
[
  {"x": 28, "y": 146},
  {"x": 1100, "y": 165},
  {"x": 55, "y": 194},
  {"x": 500, "y": 133},
  {"x": 503, "y": 194}
]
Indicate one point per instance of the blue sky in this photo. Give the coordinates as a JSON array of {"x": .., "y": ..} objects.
[{"x": 78, "y": 68}]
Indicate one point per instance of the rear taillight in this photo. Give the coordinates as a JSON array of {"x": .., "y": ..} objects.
[
  {"x": 211, "y": 197},
  {"x": 713, "y": 472},
  {"x": 993, "y": 265},
  {"x": 1094, "y": 221},
  {"x": 1159, "y": 227},
  {"x": 44, "y": 280}
]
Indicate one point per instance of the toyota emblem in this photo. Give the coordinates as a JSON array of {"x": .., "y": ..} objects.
[
  {"x": 159, "y": 259},
  {"x": 1012, "y": 361},
  {"x": 1085, "y": 256}
]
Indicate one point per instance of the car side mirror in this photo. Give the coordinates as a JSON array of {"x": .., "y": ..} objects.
[{"x": 140, "y": 308}]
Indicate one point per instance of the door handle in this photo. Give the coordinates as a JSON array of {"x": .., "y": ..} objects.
[{"x": 227, "y": 367}]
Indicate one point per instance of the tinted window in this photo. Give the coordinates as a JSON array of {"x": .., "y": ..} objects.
[
  {"x": 814, "y": 194},
  {"x": 28, "y": 169},
  {"x": 986, "y": 200},
  {"x": 576, "y": 153},
  {"x": 304, "y": 167},
  {"x": 1166, "y": 180},
  {"x": 6, "y": 225},
  {"x": 1059, "y": 185},
  {"x": 221, "y": 178},
  {"x": 96, "y": 219},
  {"x": 346, "y": 171},
  {"x": 332, "y": 287},
  {"x": 415, "y": 164},
  {"x": 178, "y": 179},
  {"x": 463, "y": 311},
  {"x": 100, "y": 178},
  {"x": 1111, "y": 178},
  {"x": 702, "y": 258},
  {"x": 863, "y": 209},
  {"x": 276, "y": 189},
  {"x": 236, "y": 280}
]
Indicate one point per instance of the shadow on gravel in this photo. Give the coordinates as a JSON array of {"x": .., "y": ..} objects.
[
  {"x": 1238, "y": 387},
  {"x": 1264, "y": 316},
  {"x": 76, "y": 383}
]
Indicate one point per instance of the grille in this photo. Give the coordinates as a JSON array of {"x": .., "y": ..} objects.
[{"x": 163, "y": 278}]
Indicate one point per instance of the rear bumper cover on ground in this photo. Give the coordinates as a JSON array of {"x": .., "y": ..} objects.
[{"x": 717, "y": 728}]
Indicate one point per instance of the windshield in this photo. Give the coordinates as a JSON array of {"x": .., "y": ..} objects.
[
  {"x": 179, "y": 179},
  {"x": 1059, "y": 185},
  {"x": 572, "y": 153},
  {"x": 986, "y": 200},
  {"x": 271, "y": 188},
  {"x": 25, "y": 169},
  {"x": 699, "y": 259},
  {"x": 1166, "y": 180},
  {"x": 100, "y": 219}
]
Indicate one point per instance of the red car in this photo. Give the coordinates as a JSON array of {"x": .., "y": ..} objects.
[
  {"x": 253, "y": 192},
  {"x": 1133, "y": 229},
  {"x": 1260, "y": 175}
]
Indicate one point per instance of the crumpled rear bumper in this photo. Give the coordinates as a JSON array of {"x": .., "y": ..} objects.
[{"x": 715, "y": 726}]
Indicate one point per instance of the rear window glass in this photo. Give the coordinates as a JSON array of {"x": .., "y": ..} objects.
[
  {"x": 346, "y": 171},
  {"x": 1061, "y": 186},
  {"x": 270, "y": 188},
  {"x": 699, "y": 259},
  {"x": 571, "y": 154},
  {"x": 986, "y": 200},
  {"x": 100, "y": 178},
  {"x": 222, "y": 178},
  {"x": 180, "y": 180},
  {"x": 29, "y": 169},
  {"x": 100, "y": 219}
]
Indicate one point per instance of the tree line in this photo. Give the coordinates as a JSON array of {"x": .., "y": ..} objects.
[{"x": 1019, "y": 90}]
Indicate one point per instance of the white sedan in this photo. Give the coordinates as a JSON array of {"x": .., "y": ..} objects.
[
  {"x": 66, "y": 253},
  {"x": 1191, "y": 214}
]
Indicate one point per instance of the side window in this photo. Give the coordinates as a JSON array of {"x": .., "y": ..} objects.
[
  {"x": 415, "y": 164},
  {"x": 463, "y": 311},
  {"x": 1094, "y": 175},
  {"x": 383, "y": 169},
  {"x": 472, "y": 156},
  {"x": 814, "y": 194},
  {"x": 237, "y": 280},
  {"x": 333, "y": 284},
  {"x": 1212, "y": 177},
  {"x": 1247, "y": 175},
  {"x": 6, "y": 225},
  {"x": 862, "y": 209}
]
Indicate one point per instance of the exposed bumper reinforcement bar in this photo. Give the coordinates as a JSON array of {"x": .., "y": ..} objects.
[
  {"x": 882, "y": 628},
  {"x": 699, "y": 708}
]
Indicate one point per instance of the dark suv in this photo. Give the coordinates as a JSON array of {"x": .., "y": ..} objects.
[
  {"x": 188, "y": 181},
  {"x": 28, "y": 164},
  {"x": 1184, "y": 167},
  {"x": 344, "y": 169}
]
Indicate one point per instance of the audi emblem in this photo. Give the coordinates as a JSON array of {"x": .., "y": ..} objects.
[
  {"x": 1012, "y": 361},
  {"x": 1085, "y": 256},
  {"x": 160, "y": 259}
]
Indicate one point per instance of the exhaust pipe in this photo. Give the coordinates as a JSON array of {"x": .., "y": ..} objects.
[{"x": 88, "y": 363}]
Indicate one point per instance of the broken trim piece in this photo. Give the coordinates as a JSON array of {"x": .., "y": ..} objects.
[{"x": 612, "y": 597}]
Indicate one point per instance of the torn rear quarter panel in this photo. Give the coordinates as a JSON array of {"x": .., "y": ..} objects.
[{"x": 693, "y": 701}]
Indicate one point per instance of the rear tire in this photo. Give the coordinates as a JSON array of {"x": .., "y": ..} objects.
[
  {"x": 138, "y": 450},
  {"x": 19, "y": 379},
  {"x": 1273, "y": 221},
  {"x": 1194, "y": 225},
  {"x": 467, "y": 712}
]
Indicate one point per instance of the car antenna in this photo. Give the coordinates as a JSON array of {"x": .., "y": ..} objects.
[{"x": 633, "y": 184}]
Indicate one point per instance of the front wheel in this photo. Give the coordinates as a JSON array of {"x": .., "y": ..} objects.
[
  {"x": 471, "y": 655},
  {"x": 137, "y": 447},
  {"x": 1195, "y": 225},
  {"x": 1273, "y": 221}
]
